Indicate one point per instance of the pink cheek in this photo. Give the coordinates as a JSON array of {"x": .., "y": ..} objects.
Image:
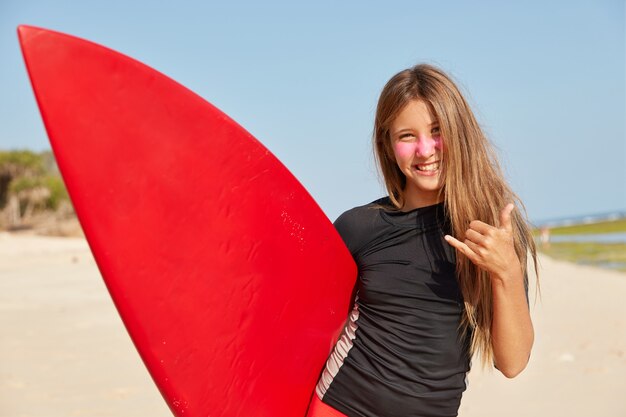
[
  {"x": 438, "y": 142},
  {"x": 404, "y": 149}
]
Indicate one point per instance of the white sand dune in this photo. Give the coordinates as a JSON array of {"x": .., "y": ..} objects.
[{"x": 65, "y": 352}]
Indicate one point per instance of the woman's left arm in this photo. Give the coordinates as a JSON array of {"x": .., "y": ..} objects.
[{"x": 492, "y": 249}]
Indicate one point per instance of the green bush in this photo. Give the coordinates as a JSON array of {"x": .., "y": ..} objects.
[
  {"x": 22, "y": 162},
  {"x": 24, "y": 183},
  {"x": 58, "y": 192},
  {"x": 23, "y": 170}
]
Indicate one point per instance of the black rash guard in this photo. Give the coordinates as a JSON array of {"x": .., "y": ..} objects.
[{"x": 401, "y": 353}]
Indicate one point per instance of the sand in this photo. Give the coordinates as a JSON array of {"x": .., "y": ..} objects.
[{"x": 65, "y": 351}]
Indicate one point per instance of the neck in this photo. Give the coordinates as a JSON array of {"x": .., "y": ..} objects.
[{"x": 418, "y": 199}]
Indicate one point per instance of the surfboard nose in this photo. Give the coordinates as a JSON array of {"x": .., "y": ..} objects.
[{"x": 26, "y": 31}]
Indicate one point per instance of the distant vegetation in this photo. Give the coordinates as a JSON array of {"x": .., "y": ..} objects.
[
  {"x": 600, "y": 254},
  {"x": 603, "y": 255},
  {"x": 31, "y": 190},
  {"x": 609, "y": 226}
]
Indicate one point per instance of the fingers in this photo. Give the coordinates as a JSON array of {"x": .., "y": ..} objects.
[
  {"x": 465, "y": 249},
  {"x": 476, "y": 237},
  {"x": 505, "y": 217},
  {"x": 475, "y": 247},
  {"x": 480, "y": 227},
  {"x": 489, "y": 247},
  {"x": 456, "y": 243},
  {"x": 505, "y": 221}
]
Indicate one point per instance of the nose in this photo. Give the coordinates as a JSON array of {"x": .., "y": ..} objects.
[{"x": 427, "y": 145}]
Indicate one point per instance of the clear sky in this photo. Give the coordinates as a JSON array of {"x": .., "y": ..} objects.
[{"x": 547, "y": 80}]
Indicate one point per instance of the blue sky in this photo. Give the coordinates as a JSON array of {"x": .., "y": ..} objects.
[{"x": 547, "y": 81}]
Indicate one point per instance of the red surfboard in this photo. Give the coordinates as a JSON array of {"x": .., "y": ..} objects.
[{"x": 230, "y": 280}]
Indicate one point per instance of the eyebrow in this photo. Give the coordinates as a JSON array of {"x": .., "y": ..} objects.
[{"x": 407, "y": 129}]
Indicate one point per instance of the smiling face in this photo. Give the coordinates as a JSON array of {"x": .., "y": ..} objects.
[{"x": 418, "y": 149}]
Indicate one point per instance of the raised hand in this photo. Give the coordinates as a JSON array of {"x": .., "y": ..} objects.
[{"x": 491, "y": 248}]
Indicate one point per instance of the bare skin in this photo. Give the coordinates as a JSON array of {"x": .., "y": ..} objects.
[{"x": 491, "y": 248}]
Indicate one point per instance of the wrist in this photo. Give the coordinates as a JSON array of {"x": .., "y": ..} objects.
[{"x": 509, "y": 276}]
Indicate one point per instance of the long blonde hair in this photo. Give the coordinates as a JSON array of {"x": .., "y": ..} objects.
[{"x": 474, "y": 186}]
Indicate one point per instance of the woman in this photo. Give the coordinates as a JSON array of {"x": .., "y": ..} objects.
[{"x": 442, "y": 262}]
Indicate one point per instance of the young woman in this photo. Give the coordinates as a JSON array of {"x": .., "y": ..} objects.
[{"x": 441, "y": 260}]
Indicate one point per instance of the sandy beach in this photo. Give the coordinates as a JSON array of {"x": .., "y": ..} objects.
[{"x": 65, "y": 351}]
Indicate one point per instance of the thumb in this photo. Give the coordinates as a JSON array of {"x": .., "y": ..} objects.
[{"x": 505, "y": 217}]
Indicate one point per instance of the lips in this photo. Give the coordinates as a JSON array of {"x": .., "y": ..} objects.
[{"x": 429, "y": 167}]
